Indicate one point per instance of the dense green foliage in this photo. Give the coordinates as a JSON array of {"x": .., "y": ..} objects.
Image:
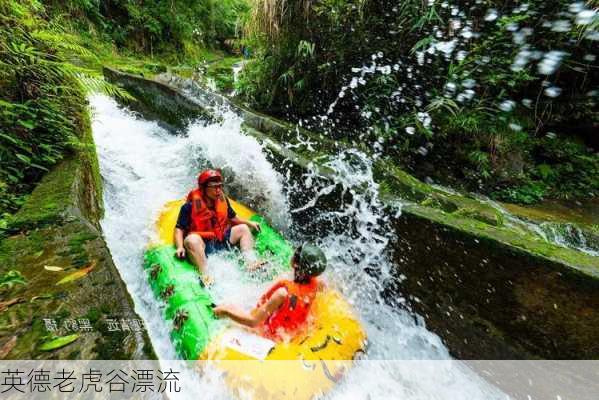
[
  {"x": 383, "y": 73},
  {"x": 41, "y": 102},
  {"x": 50, "y": 57},
  {"x": 465, "y": 92},
  {"x": 171, "y": 26}
]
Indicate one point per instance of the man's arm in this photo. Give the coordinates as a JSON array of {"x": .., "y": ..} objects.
[
  {"x": 183, "y": 221},
  {"x": 179, "y": 243},
  {"x": 253, "y": 225},
  {"x": 235, "y": 220},
  {"x": 258, "y": 314}
]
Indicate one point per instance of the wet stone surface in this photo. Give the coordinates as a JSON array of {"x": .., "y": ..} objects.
[
  {"x": 64, "y": 283},
  {"x": 84, "y": 306},
  {"x": 489, "y": 301}
]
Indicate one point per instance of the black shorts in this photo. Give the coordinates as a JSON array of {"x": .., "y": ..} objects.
[{"x": 215, "y": 246}]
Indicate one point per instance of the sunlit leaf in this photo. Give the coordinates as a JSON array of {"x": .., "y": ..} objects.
[
  {"x": 24, "y": 158},
  {"x": 58, "y": 342},
  {"x": 27, "y": 124},
  {"x": 77, "y": 275},
  {"x": 34, "y": 165},
  {"x": 42, "y": 297}
]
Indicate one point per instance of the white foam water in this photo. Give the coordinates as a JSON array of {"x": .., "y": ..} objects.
[{"x": 143, "y": 166}]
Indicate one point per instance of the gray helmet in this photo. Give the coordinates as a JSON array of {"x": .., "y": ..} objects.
[{"x": 310, "y": 259}]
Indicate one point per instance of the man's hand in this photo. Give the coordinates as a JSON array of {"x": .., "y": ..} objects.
[
  {"x": 180, "y": 253},
  {"x": 254, "y": 226}
]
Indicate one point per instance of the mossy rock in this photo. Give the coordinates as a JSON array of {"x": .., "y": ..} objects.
[
  {"x": 440, "y": 202},
  {"x": 70, "y": 245},
  {"x": 155, "y": 68},
  {"x": 395, "y": 182},
  {"x": 58, "y": 226},
  {"x": 490, "y": 217},
  {"x": 159, "y": 101}
]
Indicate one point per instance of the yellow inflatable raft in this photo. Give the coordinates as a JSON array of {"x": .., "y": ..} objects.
[{"x": 306, "y": 366}]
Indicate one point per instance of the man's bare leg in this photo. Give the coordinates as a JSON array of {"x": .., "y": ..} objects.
[
  {"x": 241, "y": 234},
  {"x": 196, "y": 249}
]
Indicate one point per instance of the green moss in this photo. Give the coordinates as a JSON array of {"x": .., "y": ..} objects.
[
  {"x": 301, "y": 158},
  {"x": 221, "y": 71},
  {"x": 159, "y": 101},
  {"x": 56, "y": 227},
  {"x": 400, "y": 183},
  {"x": 90, "y": 189},
  {"x": 440, "y": 202},
  {"x": 490, "y": 217},
  {"x": 475, "y": 217},
  {"x": 111, "y": 344},
  {"x": 106, "y": 308},
  {"x": 48, "y": 203},
  {"x": 51, "y": 201},
  {"x": 571, "y": 260},
  {"x": 93, "y": 315},
  {"x": 77, "y": 249}
]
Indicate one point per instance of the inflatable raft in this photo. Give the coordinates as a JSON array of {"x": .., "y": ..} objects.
[{"x": 307, "y": 365}]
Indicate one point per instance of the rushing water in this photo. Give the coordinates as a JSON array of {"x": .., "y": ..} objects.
[{"x": 143, "y": 166}]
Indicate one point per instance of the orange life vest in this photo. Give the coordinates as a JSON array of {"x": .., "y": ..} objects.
[
  {"x": 294, "y": 311},
  {"x": 208, "y": 223}
]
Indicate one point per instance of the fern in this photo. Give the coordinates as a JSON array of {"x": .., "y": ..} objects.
[
  {"x": 93, "y": 84},
  {"x": 443, "y": 103},
  {"x": 64, "y": 43}
]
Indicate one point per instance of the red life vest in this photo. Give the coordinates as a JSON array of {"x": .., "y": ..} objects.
[
  {"x": 294, "y": 310},
  {"x": 208, "y": 223}
]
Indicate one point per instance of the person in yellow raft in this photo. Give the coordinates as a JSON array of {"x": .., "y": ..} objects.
[
  {"x": 285, "y": 306},
  {"x": 207, "y": 224}
]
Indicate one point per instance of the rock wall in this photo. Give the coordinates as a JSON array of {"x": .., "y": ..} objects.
[
  {"x": 59, "y": 226},
  {"x": 170, "y": 107},
  {"x": 491, "y": 301},
  {"x": 489, "y": 287}
]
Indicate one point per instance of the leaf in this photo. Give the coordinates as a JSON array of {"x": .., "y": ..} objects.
[
  {"x": 7, "y": 347},
  {"x": 41, "y": 297},
  {"x": 12, "y": 278},
  {"x": 53, "y": 268},
  {"x": 9, "y": 138},
  {"x": 78, "y": 274},
  {"x": 34, "y": 165},
  {"x": 38, "y": 254},
  {"x": 545, "y": 170},
  {"x": 58, "y": 342},
  {"x": 23, "y": 158},
  {"x": 27, "y": 124}
]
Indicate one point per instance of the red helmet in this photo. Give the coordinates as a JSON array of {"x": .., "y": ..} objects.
[{"x": 209, "y": 175}]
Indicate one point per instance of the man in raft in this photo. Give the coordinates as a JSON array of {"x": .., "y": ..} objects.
[
  {"x": 207, "y": 224},
  {"x": 285, "y": 306}
]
